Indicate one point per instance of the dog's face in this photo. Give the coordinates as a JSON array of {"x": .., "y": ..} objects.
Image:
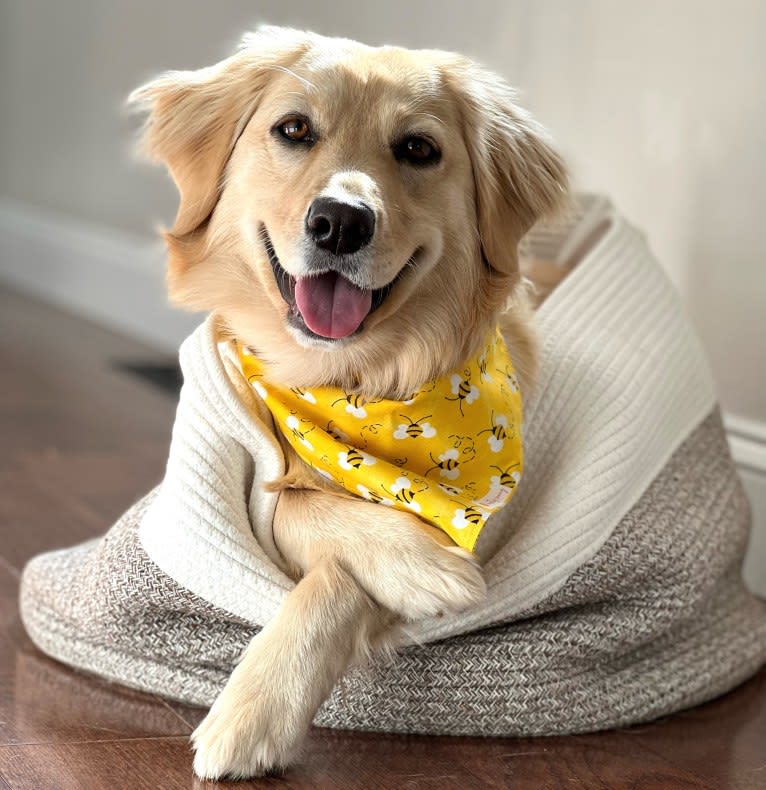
[
  {"x": 343, "y": 206},
  {"x": 352, "y": 175}
]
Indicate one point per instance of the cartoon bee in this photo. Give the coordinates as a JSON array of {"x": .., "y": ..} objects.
[
  {"x": 447, "y": 464},
  {"x": 498, "y": 432},
  {"x": 463, "y": 390},
  {"x": 510, "y": 378},
  {"x": 468, "y": 516},
  {"x": 406, "y": 495},
  {"x": 473, "y": 515},
  {"x": 294, "y": 424},
  {"x": 354, "y": 404},
  {"x": 373, "y": 496},
  {"x": 506, "y": 477},
  {"x": 412, "y": 429},
  {"x": 450, "y": 490},
  {"x": 354, "y": 458},
  {"x": 305, "y": 394},
  {"x": 402, "y": 492},
  {"x": 486, "y": 377}
]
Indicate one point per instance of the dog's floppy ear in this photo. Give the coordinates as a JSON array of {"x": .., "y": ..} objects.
[
  {"x": 195, "y": 117},
  {"x": 519, "y": 177}
]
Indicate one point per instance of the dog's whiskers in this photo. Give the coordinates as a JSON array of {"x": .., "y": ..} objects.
[{"x": 306, "y": 83}]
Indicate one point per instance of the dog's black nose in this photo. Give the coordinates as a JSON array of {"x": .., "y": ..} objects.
[{"x": 340, "y": 228}]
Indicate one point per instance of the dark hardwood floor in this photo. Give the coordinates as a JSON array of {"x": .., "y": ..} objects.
[{"x": 80, "y": 440}]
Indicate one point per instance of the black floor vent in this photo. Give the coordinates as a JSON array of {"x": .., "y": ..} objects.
[{"x": 165, "y": 377}]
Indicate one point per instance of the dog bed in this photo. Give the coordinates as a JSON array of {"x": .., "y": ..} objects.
[{"x": 614, "y": 575}]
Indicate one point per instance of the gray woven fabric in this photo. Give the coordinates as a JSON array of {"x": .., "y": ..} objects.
[{"x": 657, "y": 621}]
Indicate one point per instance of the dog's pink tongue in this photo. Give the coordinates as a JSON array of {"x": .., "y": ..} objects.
[{"x": 330, "y": 305}]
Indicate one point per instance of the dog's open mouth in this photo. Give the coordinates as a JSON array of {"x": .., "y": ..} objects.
[{"x": 326, "y": 305}]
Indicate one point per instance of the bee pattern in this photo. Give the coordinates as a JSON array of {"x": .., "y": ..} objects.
[
  {"x": 294, "y": 424},
  {"x": 372, "y": 496},
  {"x": 414, "y": 428},
  {"x": 353, "y": 459},
  {"x": 401, "y": 490},
  {"x": 305, "y": 394},
  {"x": 354, "y": 405},
  {"x": 466, "y": 444},
  {"x": 510, "y": 378},
  {"x": 506, "y": 477},
  {"x": 497, "y": 433},
  {"x": 463, "y": 390},
  {"x": 447, "y": 464},
  {"x": 468, "y": 516},
  {"x": 485, "y": 377},
  {"x": 450, "y": 490}
]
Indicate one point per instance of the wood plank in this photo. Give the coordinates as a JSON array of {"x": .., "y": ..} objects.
[
  {"x": 81, "y": 440},
  {"x": 355, "y": 759},
  {"x": 43, "y": 701},
  {"x": 55, "y": 498},
  {"x": 387, "y": 763},
  {"x": 723, "y": 740},
  {"x": 582, "y": 763},
  {"x": 99, "y": 766}
]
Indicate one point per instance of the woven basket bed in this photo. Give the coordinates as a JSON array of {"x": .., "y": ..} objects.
[{"x": 614, "y": 576}]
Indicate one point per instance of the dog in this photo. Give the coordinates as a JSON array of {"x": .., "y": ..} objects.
[{"x": 352, "y": 215}]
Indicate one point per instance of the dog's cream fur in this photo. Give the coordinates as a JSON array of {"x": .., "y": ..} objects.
[{"x": 453, "y": 227}]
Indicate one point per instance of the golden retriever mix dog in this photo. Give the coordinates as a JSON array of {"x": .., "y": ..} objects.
[{"x": 352, "y": 215}]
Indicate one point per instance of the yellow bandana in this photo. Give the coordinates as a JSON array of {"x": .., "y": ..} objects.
[{"x": 452, "y": 453}]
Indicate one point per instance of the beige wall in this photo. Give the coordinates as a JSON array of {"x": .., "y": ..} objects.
[{"x": 659, "y": 103}]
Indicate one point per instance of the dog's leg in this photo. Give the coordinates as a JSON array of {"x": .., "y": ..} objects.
[
  {"x": 406, "y": 565},
  {"x": 362, "y": 562},
  {"x": 263, "y": 713}
]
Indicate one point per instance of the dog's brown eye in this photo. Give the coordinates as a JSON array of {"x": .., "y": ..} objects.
[
  {"x": 295, "y": 129},
  {"x": 417, "y": 151}
]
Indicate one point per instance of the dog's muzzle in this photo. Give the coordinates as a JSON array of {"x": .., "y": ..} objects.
[{"x": 327, "y": 304}]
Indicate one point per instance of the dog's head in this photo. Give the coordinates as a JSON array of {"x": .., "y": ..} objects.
[{"x": 353, "y": 213}]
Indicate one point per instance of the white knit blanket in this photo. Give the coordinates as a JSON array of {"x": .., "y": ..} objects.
[{"x": 623, "y": 382}]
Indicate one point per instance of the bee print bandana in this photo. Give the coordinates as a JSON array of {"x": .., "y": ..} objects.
[{"x": 452, "y": 453}]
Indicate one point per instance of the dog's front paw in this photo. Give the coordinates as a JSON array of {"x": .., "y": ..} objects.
[
  {"x": 416, "y": 577},
  {"x": 236, "y": 742},
  {"x": 446, "y": 580},
  {"x": 249, "y": 731}
]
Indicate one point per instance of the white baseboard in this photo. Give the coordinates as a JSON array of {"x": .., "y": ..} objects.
[
  {"x": 747, "y": 439},
  {"x": 118, "y": 280},
  {"x": 106, "y": 275}
]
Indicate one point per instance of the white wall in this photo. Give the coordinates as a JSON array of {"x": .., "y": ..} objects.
[
  {"x": 660, "y": 103},
  {"x": 663, "y": 104}
]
